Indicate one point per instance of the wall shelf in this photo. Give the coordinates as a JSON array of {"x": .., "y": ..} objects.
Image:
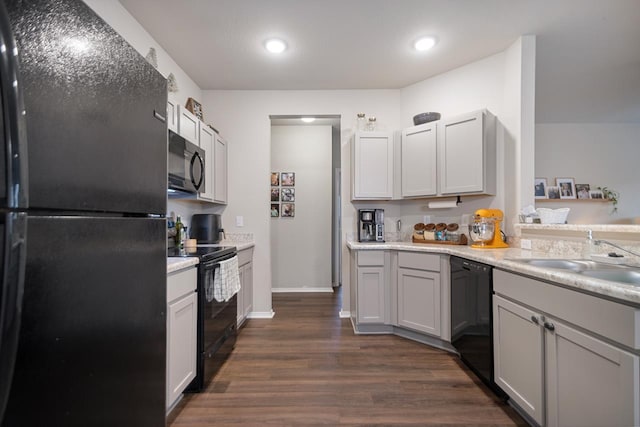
[{"x": 573, "y": 200}]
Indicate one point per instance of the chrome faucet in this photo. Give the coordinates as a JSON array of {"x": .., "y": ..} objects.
[{"x": 600, "y": 241}]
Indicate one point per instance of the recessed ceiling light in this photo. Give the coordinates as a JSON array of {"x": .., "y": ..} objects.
[
  {"x": 275, "y": 45},
  {"x": 308, "y": 119},
  {"x": 424, "y": 43}
]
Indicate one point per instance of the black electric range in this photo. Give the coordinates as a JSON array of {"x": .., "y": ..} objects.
[{"x": 204, "y": 252}]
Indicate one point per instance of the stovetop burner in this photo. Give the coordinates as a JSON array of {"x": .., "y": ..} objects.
[{"x": 202, "y": 252}]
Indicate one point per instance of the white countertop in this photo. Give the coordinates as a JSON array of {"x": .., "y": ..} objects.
[
  {"x": 626, "y": 293},
  {"x": 180, "y": 263}
]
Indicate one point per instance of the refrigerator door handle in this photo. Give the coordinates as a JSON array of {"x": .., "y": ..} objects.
[
  {"x": 11, "y": 292},
  {"x": 13, "y": 120},
  {"x": 159, "y": 116}
]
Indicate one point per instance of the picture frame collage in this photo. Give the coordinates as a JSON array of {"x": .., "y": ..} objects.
[
  {"x": 564, "y": 188},
  {"x": 283, "y": 194}
]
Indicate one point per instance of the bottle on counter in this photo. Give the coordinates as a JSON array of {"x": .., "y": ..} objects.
[
  {"x": 361, "y": 122},
  {"x": 179, "y": 239},
  {"x": 372, "y": 124}
]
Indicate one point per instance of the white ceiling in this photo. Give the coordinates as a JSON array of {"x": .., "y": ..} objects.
[{"x": 588, "y": 51}]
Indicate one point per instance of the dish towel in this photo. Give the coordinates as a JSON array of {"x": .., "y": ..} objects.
[{"x": 226, "y": 280}]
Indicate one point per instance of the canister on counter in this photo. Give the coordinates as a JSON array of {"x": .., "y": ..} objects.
[{"x": 452, "y": 234}]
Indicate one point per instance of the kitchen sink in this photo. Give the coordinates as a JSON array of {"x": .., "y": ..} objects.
[
  {"x": 627, "y": 275},
  {"x": 562, "y": 264},
  {"x": 597, "y": 270}
]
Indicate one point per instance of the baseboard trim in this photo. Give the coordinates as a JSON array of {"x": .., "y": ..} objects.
[
  {"x": 301, "y": 290},
  {"x": 261, "y": 315}
]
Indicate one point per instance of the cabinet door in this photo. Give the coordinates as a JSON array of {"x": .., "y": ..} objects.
[
  {"x": 188, "y": 125},
  {"x": 419, "y": 160},
  {"x": 207, "y": 140},
  {"x": 589, "y": 382},
  {"x": 419, "y": 300},
  {"x": 518, "y": 356},
  {"x": 370, "y": 295},
  {"x": 172, "y": 116},
  {"x": 182, "y": 346},
  {"x": 220, "y": 170},
  {"x": 247, "y": 284},
  {"x": 461, "y": 153},
  {"x": 373, "y": 165}
]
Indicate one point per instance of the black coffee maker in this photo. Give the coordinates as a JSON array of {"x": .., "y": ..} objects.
[{"x": 371, "y": 225}]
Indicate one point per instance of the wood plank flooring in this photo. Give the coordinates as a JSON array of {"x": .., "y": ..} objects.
[{"x": 305, "y": 367}]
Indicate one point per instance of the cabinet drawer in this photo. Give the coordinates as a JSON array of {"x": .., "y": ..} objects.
[
  {"x": 617, "y": 322},
  {"x": 419, "y": 261},
  {"x": 181, "y": 283},
  {"x": 370, "y": 258},
  {"x": 245, "y": 256}
]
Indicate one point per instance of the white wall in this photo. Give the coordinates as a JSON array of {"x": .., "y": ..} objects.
[
  {"x": 243, "y": 119},
  {"x": 301, "y": 246},
  {"x": 599, "y": 154}
]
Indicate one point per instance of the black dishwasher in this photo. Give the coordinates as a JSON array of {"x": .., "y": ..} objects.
[{"x": 471, "y": 317}]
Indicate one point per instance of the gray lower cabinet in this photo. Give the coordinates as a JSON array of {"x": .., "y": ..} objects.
[
  {"x": 245, "y": 295},
  {"x": 369, "y": 287},
  {"x": 182, "y": 316},
  {"x": 552, "y": 359},
  {"x": 370, "y": 291},
  {"x": 419, "y": 298},
  {"x": 518, "y": 355}
]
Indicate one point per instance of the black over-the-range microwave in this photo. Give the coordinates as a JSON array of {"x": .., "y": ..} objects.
[{"x": 186, "y": 166}]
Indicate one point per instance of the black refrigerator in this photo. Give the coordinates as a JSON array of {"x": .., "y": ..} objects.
[{"x": 82, "y": 222}]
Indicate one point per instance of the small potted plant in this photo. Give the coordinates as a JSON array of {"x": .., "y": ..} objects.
[{"x": 611, "y": 195}]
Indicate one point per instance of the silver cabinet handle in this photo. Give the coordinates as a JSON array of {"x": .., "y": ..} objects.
[{"x": 549, "y": 326}]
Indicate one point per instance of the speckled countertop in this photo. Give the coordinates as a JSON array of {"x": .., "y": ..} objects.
[
  {"x": 180, "y": 263},
  {"x": 501, "y": 258}
]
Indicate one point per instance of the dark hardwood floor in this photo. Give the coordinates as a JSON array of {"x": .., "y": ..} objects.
[{"x": 306, "y": 367}]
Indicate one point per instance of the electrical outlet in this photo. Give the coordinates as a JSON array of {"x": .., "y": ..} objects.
[
  {"x": 426, "y": 219},
  {"x": 525, "y": 244},
  {"x": 239, "y": 221}
]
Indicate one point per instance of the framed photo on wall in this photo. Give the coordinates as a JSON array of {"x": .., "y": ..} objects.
[
  {"x": 540, "y": 189},
  {"x": 288, "y": 194},
  {"x": 567, "y": 188},
  {"x": 275, "y": 194},
  {"x": 288, "y": 179},
  {"x": 288, "y": 210},
  {"x": 275, "y": 179},
  {"x": 596, "y": 194},
  {"x": 582, "y": 191},
  {"x": 275, "y": 210},
  {"x": 195, "y": 107},
  {"x": 553, "y": 192}
]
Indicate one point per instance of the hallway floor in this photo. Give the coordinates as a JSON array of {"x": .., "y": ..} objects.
[{"x": 306, "y": 367}]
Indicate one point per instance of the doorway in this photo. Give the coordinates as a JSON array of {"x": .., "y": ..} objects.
[{"x": 305, "y": 205}]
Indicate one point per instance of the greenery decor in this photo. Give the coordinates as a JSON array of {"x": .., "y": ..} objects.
[{"x": 611, "y": 195}]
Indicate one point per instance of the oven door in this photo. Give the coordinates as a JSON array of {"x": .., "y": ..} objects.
[
  {"x": 217, "y": 327},
  {"x": 186, "y": 165}
]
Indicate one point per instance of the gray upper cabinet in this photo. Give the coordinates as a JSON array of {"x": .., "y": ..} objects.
[
  {"x": 372, "y": 166},
  {"x": 453, "y": 156},
  {"x": 419, "y": 161},
  {"x": 467, "y": 154}
]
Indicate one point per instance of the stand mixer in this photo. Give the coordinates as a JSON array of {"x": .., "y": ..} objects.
[{"x": 485, "y": 229}]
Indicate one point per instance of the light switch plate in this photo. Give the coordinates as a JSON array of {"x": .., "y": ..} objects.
[{"x": 239, "y": 221}]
